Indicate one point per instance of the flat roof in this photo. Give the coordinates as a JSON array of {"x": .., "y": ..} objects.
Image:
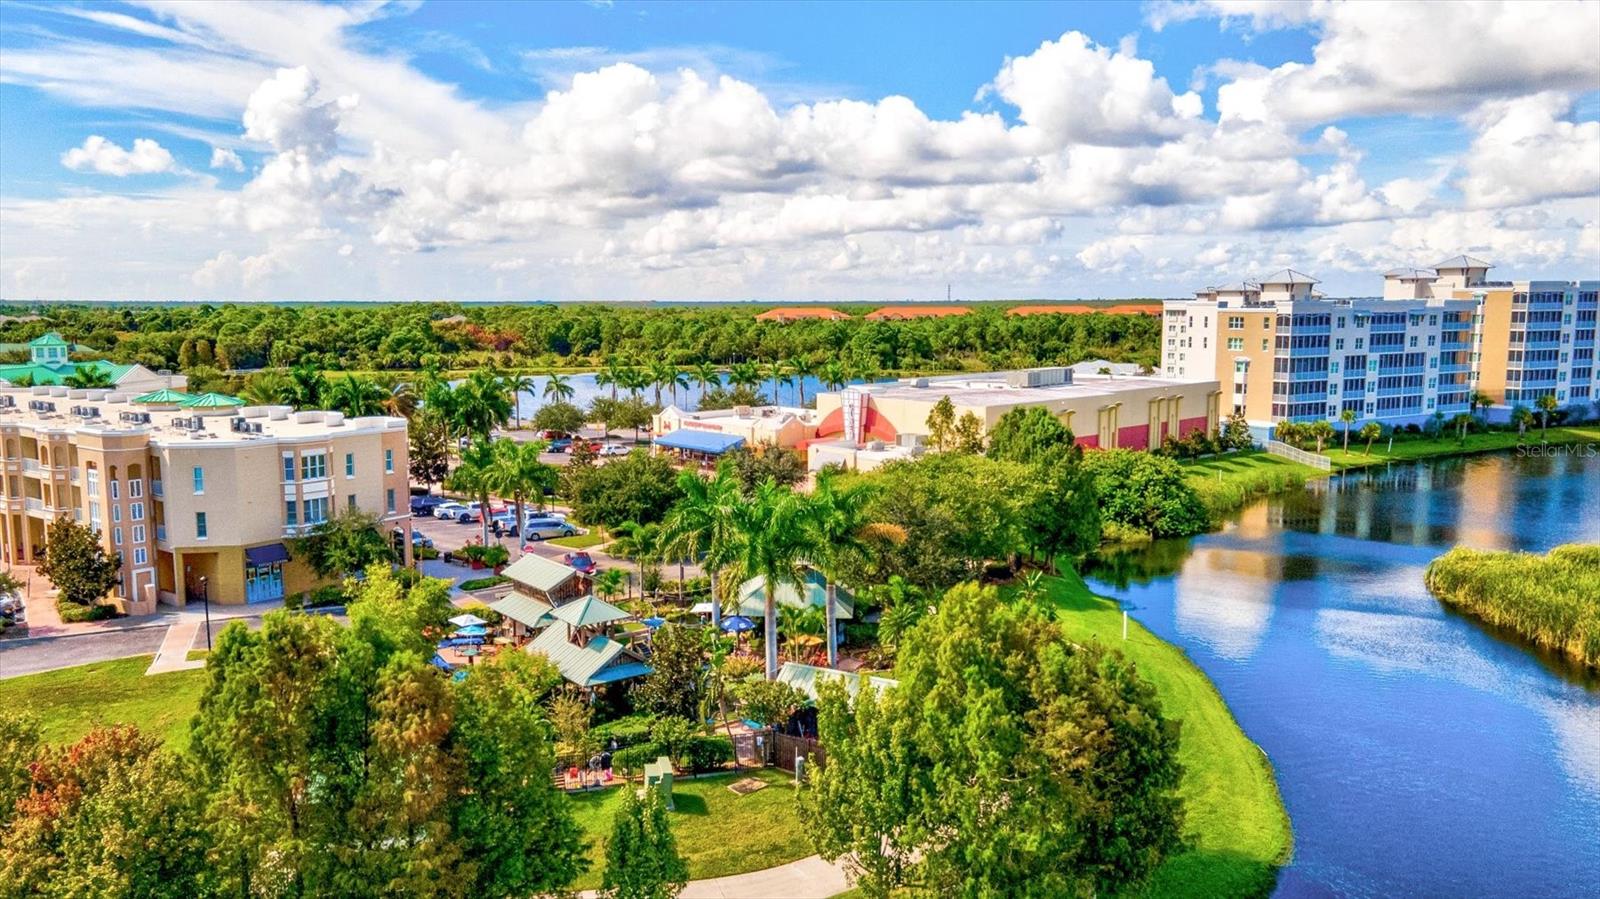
[
  {"x": 277, "y": 422},
  {"x": 991, "y": 389}
]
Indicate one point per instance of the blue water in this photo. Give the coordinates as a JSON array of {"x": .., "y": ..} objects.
[
  {"x": 1419, "y": 753},
  {"x": 586, "y": 390}
]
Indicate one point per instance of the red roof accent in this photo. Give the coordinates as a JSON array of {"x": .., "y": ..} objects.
[{"x": 1079, "y": 309}]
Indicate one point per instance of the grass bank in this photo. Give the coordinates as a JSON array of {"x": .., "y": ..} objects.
[
  {"x": 1553, "y": 600},
  {"x": 1228, "y": 482},
  {"x": 70, "y": 702},
  {"x": 1411, "y": 449},
  {"x": 1237, "y": 831},
  {"x": 719, "y": 832}
]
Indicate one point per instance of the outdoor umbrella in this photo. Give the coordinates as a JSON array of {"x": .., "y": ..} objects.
[
  {"x": 738, "y": 624},
  {"x": 438, "y": 662},
  {"x": 473, "y": 631},
  {"x": 654, "y": 622},
  {"x": 467, "y": 619}
]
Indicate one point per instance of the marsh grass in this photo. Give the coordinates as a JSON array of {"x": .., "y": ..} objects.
[{"x": 1553, "y": 600}]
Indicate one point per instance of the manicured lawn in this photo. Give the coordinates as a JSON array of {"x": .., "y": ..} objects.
[
  {"x": 1228, "y": 482},
  {"x": 1236, "y": 826},
  {"x": 70, "y": 701},
  {"x": 579, "y": 541},
  {"x": 483, "y": 583},
  {"x": 1243, "y": 464},
  {"x": 719, "y": 832},
  {"x": 1413, "y": 448}
]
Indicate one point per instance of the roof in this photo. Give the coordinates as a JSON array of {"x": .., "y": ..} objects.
[
  {"x": 211, "y": 401},
  {"x": 752, "y": 596},
  {"x": 602, "y": 660},
  {"x": 539, "y": 573},
  {"x": 699, "y": 441},
  {"x": 1462, "y": 262},
  {"x": 1412, "y": 274},
  {"x": 805, "y": 678},
  {"x": 588, "y": 611},
  {"x": 1237, "y": 287},
  {"x": 788, "y": 313},
  {"x": 49, "y": 339},
  {"x": 523, "y": 609},
  {"x": 55, "y": 375},
  {"x": 166, "y": 396},
  {"x": 890, "y": 312},
  {"x": 1080, "y": 309},
  {"x": 1288, "y": 276}
]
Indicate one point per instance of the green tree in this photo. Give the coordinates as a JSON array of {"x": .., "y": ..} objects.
[
  {"x": 771, "y": 540},
  {"x": 638, "y": 487},
  {"x": 355, "y": 396},
  {"x": 111, "y": 815},
  {"x": 707, "y": 375},
  {"x": 676, "y": 684},
  {"x": 77, "y": 564},
  {"x": 753, "y": 465},
  {"x": 1347, "y": 417},
  {"x": 1146, "y": 492},
  {"x": 559, "y": 415},
  {"x": 1321, "y": 431},
  {"x": 1029, "y": 434},
  {"x": 19, "y": 745},
  {"x": 346, "y": 543},
  {"x": 699, "y": 526},
  {"x": 88, "y": 377},
  {"x": 632, "y": 412},
  {"x": 570, "y": 716},
  {"x": 1521, "y": 417},
  {"x": 428, "y": 436},
  {"x": 767, "y": 702},
  {"x": 604, "y": 411},
  {"x": 968, "y": 434},
  {"x": 305, "y": 387},
  {"x": 1369, "y": 432},
  {"x": 483, "y": 402},
  {"x": 942, "y": 425},
  {"x": 1061, "y": 516},
  {"x": 516, "y": 472},
  {"x": 843, "y": 529},
  {"x": 833, "y": 375},
  {"x": 1547, "y": 406},
  {"x": 642, "y": 860},
  {"x": 639, "y": 543},
  {"x": 611, "y": 376},
  {"x": 1237, "y": 433},
  {"x": 1006, "y": 761},
  {"x": 475, "y": 476}
]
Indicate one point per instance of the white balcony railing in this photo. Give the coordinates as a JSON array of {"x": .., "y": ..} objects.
[
  {"x": 30, "y": 465},
  {"x": 34, "y": 505}
]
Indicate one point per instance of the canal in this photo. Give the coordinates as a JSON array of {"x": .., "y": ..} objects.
[{"x": 1419, "y": 753}]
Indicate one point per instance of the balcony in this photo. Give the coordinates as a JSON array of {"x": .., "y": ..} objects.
[
  {"x": 156, "y": 489},
  {"x": 33, "y": 505},
  {"x": 161, "y": 533},
  {"x": 31, "y": 466}
]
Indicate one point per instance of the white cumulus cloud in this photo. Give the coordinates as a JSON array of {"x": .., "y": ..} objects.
[{"x": 104, "y": 157}]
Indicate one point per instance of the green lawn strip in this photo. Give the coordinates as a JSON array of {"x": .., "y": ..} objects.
[
  {"x": 1228, "y": 482},
  {"x": 579, "y": 541},
  {"x": 1236, "y": 826},
  {"x": 719, "y": 832},
  {"x": 1413, "y": 448},
  {"x": 483, "y": 583},
  {"x": 70, "y": 701}
]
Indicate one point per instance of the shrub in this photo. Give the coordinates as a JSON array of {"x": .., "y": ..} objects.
[
  {"x": 673, "y": 735},
  {"x": 482, "y": 611},
  {"x": 473, "y": 552},
  {"x": 706, "y": 753},
  {"x": 72, "y": 613},
  {"x": 496, "y": 555},
  {"x": 425, "y": 553},
  {"x": 482, "y": 583},
  {"x": 632, "y": 730},
  {"x": 633, "y": 759}
]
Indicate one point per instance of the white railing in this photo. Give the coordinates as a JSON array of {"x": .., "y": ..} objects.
[
  {"x": 30, "y": 465},
  {"x": 1295, "y": 454},
  {"x": 34, "y": 505}
]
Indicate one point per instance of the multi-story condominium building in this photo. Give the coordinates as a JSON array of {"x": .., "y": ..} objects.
[
  {"x": 192, "y": 491},
  {"x": 1284, "y": 352}
]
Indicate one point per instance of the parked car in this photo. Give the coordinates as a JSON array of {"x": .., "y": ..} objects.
[
  {"x": 424, "y": 505},
  {"x": 418, "y": 539},
  {"x": 471, "y": 512},
  {"x": 580, "y": 561},
  {"x": 614, "y": 449},
  {"x": 559, "y": 445},
  {"x": 449, "y": 511},
  {"x": 507, "y": 519},
  {"x": 544, "y": 527}
]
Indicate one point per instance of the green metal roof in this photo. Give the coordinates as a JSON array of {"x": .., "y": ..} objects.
[
  {"x": 166, "y": 396},
  {"x": 55, "y": 375},
  {"x": 588, "y": 611},
  {"x": 49, "y": 339},
  {"x": 539, "y": 573},
  {"x": 211, "y": 401},
  {"x": 805, "y": 678},
  {"x": 752, "y": 598},
  {"x": 600, "y": 661},
  {"x": 523, "y": 609}
]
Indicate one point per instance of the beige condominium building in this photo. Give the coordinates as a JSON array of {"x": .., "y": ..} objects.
[
  {"x": 1284, "y": 352},
  {"x": 866, "y": 425},
  {"x": 192, "y": 490}
]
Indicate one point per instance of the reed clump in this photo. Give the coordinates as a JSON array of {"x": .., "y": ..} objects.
[{"x": 1551, "y": 600}]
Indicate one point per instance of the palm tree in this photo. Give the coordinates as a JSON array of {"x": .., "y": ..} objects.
[
  {"x": 700, "y": 526},
  {"x": 638, "y": 542},
  {"x": 482, "y": 403},
  {"x": 610, "y": 376},
  {"x": 266, "y": 388},
  {"x": 306, "y": 386},
  {"x": 475, "y": 477},
  {"x": 771, "y": 541},
  {"x": 834, "y": 376},
  {"x": 402, "y": 400},
  {"x": 634, "y": 380},
  {"x": 744, "y": 374},
  {"x": 1547, "y": 404},
  {"x": 1369, "y": 432},
  {"x": 608, "y": 583},
  {"x": 559, "y": 388},
  {"x": 354, "y": 396},
  {"x": 519, "y": 384},
  {"x": 1479, "y": 399},
  {"x": 841, "y": 530},
  {"x": 1348, "y": 418},
  {"x": 707, "y": 375},
  {"x": 1521, "y": 417},
  {"x": 667, "y": 375},
  {"x": 517, "y": 472},
  {"x": 89, "y": 377},
  {"x": 799, "y": 622},
  {"x": 778, "y": 371},
  {"x": 802, "y": 368},
  {"x": 1462, "y": 421}
]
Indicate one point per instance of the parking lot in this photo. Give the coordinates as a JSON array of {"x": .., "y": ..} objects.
[{"x": 452, "y": 535}]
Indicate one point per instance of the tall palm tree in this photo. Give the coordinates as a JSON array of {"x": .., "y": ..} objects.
[
  {"x": 354, "y": 396},
  {"x": 88, "y": 377},
  {"x": 306, "y": 386},
  {"x": 1478, "y": 399},
  {"x": 517, "y": 472},
  {"x": 402, "y": 400},
  {"x": 802, "y": 368},
  {"x": 475, "y": 477},
  {"x": 1546, "y": 404},
  {"x": 518, "y": 384},
  {"x": 638, "y": 542},
  {"x": 700, "y": 526},
  {"x": 834, "y": 375},
  {"x": 635, "y": 380},
  {"x": 841, "y": 529},
  {"x": 1347, "y": 417},
  {"x": 265, "y": 388},
  {"x": 669, "y": 376},
  {"x": 771, "y": 541},
  {"x": 482, "y": 403},
  {"x": 559, "y": 388},
  {"x": 707, "y": 375},
  {"x": 778, "y": 371},
  {"x": 744, "y": 374},
  {"x": 610, "y": 376}
]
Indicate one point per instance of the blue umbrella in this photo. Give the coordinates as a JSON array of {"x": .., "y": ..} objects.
[
  {"x": 654, "y": 622},
  {"x": 438, "y": 662},
  {"x": 737, "y": 624},
  {"x": 473, "y": 631}
]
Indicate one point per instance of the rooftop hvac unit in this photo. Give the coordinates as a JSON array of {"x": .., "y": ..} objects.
[
  {"x": 8, "y": 402},
  {"x": 911, "y": 440},
  {"x": 255, "y": 427},
  {"x": 875, "y": 445},
  {"x": 41, "y": 405},
  {"x": 86, "y": 411}
]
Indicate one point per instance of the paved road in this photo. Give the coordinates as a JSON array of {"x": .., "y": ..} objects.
[{"x": 18, "y": 657}]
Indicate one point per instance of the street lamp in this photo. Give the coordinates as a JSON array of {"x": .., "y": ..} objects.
[{"x": 205, "y": 600}]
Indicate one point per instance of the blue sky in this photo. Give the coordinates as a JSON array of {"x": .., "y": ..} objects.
[{"x": 804, "y": 151}]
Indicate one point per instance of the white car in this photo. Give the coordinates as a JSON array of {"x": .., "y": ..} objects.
[
  {"x": 449, "y": 511},
  {"x": 614, "y": 449},
  {"x": 470, "y": 512}
]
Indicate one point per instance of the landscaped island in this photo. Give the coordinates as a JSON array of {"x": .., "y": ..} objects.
[{"x": 1552, "y": 600}]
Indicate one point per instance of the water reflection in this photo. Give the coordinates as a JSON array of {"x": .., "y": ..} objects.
[{"x": 1419, "y": 752}]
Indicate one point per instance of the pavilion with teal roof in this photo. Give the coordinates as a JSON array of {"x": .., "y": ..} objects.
[{"x": 50, "y": 365}]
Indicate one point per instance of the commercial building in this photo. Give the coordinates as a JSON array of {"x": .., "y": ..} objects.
[
  {"x": 192, "y": 491},
  {"x": 1284, "y": 352},
  {"x": 49, "y": 364},
  {"x": 799, "y": 313},
  {"x": 890, "y": 420},
  {"x": 712, "y": 432}
]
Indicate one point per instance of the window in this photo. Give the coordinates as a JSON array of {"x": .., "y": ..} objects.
[
  {"x": 138, "y": 533},
  {"x": 313, "y": 466},
  {"x": 349, "y": 465},
  {"x": 350, "y": 501},
  {"x": 136, "y": 511},
  {"x": 116, "y": 536},
  {"x": 200, "y": 525},
  {"x": 136, "y": 487},
  {"x": 141, "y": 556},
  {"x": 116, "y": 512},
  {"x": 288, "y": 468},
  {"x": 388, "y": 500},
  {"x": 94, "y": 512},
  {"x": 116, "y": 492},
  {"x": 289, "y": 510},
  {"x": 1361, "y": 342},
  {"x": 199, "y": 480},
  {"x": 1236, "y": 323},
  {"x": 388, "y": 461},
  {"x": 316, "y": 510},
  {"x": 1264, "y": 344},
  {"x": 1413, "y": 341},
  {"x": 1338, "y": 343},
  {"x": 1236, "y": 344}
]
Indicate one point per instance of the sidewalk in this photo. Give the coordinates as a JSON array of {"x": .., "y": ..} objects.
[
  {"x": 808, "y": 878},
  {"x": 174, "y": 652}
]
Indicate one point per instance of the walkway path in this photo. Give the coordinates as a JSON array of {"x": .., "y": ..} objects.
[
  {"x": 174, "y": 652},
  {"x": 808, "y": 878}
]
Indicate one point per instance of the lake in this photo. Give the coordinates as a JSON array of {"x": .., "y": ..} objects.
[
  {"x": 585, "y": 391},
  {"x": 1419, "y": 753}
]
